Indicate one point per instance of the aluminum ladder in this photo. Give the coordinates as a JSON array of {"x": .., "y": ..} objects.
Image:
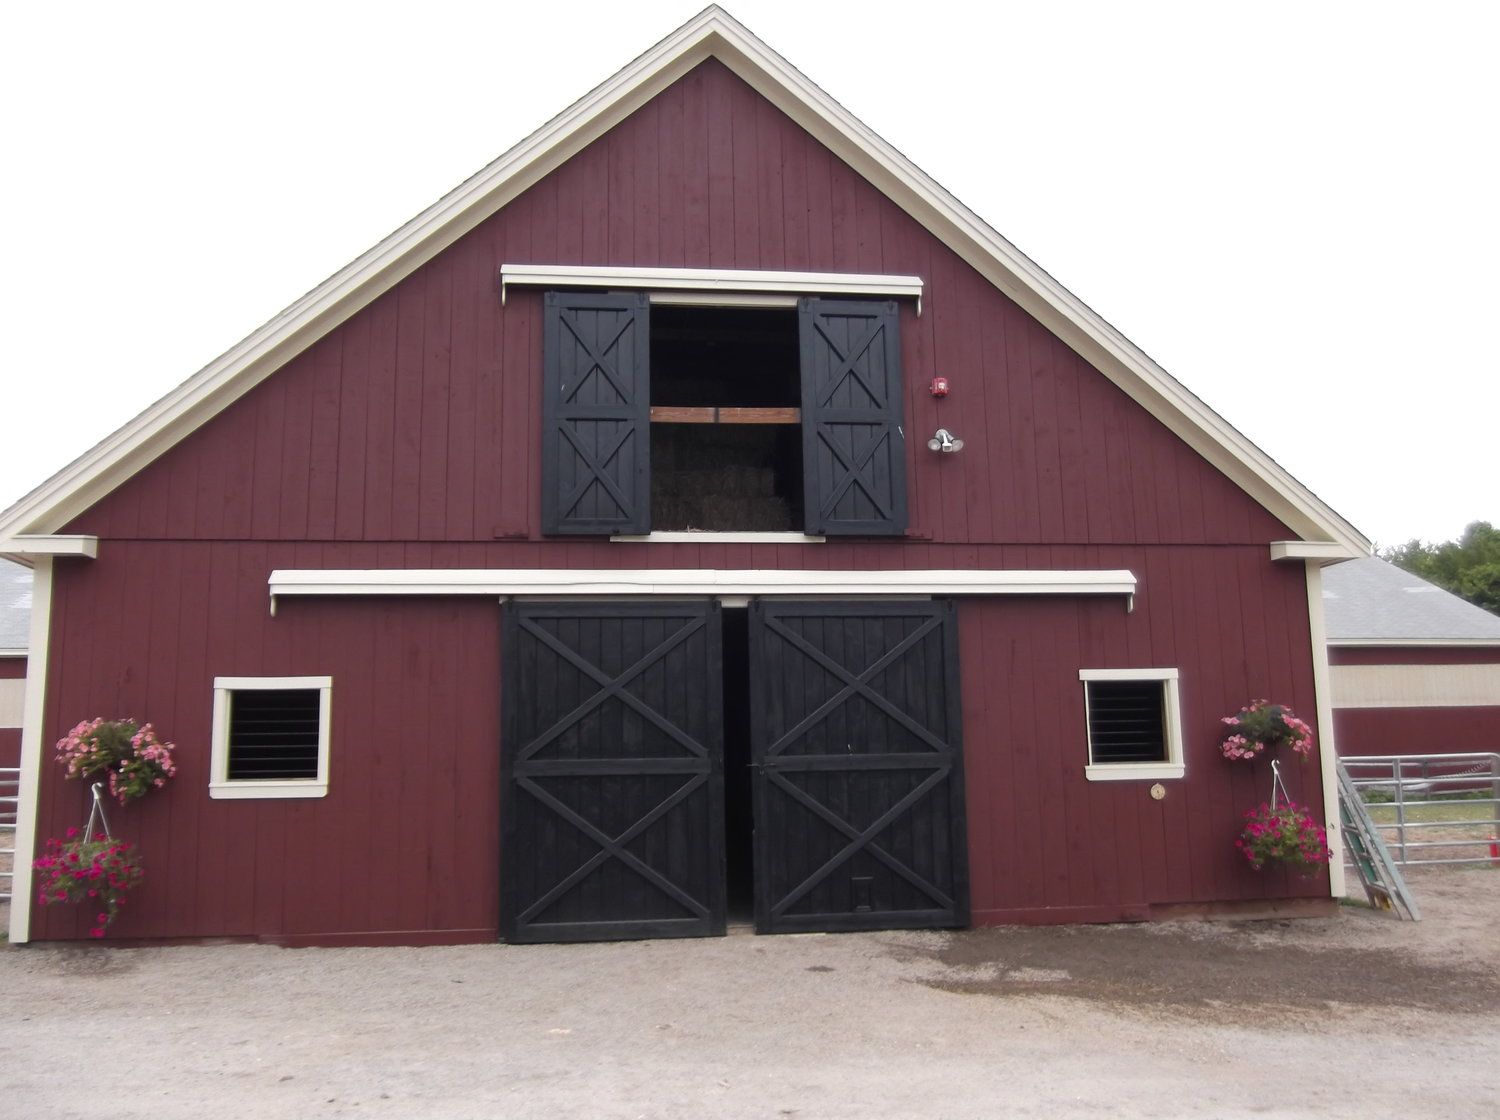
[{"x": 1378, "y": 874}]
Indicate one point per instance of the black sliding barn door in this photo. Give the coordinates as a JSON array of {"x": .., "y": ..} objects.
[
  {"x": 859, "y": 815},
  {"x": 612, "y": 771}
]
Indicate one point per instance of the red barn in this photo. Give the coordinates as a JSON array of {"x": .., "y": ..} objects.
[
  {"x": 1415, "y": 669},
  {"x": 597, "y": 557}
]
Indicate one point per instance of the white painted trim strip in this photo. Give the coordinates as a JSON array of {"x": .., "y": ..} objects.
[
  {"x": 693, "y": 536},
  {"x": 1134, "y": 771},
  {"x": 1128, "y": 674},
  {"x": 1416, "y": 686},
  {"x": 31, "y": 752},
  {"x": 1414, "y": 643},
  {"x": 727, "y": 299},
  {"x": 8, "y": 654},
  {"x": 13, "y": 703},
  {"x": 695, "y": 581},
  {"x": 711, "y": 280},
  {"x": 1327, "y": 744},
  {"x": 1329, "y": 552},
  {"x": 43, "y": 544}
]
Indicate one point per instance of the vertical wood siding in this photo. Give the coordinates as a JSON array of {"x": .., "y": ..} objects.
[
  {"x": 418, "y": 418},
  {"x": 410, "y": 437},
  {"x": 1048, "y": 845},
  {"x": 1375, "y": 731}
]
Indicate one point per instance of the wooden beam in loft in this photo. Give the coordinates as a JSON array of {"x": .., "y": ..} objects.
[{"x": 669, "y": 414}]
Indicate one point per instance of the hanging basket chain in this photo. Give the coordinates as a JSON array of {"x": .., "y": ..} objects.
[
  {"x": 96, "y": 814},
  {"x": 1278, "y": 787}
]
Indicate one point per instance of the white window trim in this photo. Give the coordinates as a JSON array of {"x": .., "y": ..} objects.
[
  {"x": 219, "y": 784},
  {"x": 1173, "y": 767}
]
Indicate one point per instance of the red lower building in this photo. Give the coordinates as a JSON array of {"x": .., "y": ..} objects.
[
  {"x": 1415, "y": 669},
  {"x": 598, "y": 557}
]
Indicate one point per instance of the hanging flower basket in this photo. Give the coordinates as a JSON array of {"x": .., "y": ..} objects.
[
  {"x": 1283, "y": 833},
  {"x": 1264, "y": 726},
  {"x": 135, "y": 759},
  {"x": 97, "y": 872}
]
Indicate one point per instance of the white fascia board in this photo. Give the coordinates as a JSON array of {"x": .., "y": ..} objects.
[
  {"x": 695, "y": 581},
  {"x": 41, "y": 544},
  {"x": 711, "y": 33},
  {"x": 711, "y": 280},
  {"x": 1414, "y": 643},
  {"x": 1326, "y": 552}
]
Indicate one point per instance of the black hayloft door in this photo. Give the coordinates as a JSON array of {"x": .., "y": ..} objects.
[
  {"x": 859, "y": 813},
  {"x": 612, "y": 771}
]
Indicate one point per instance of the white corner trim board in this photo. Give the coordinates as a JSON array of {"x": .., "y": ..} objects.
[
  {"x": 711, "y": 280},
  {"x": 694, "y": 581},
  {"x": 710, "y": 34},
  {"x": 1328, "y": 745},
  {"x": 31, "y": 751}
]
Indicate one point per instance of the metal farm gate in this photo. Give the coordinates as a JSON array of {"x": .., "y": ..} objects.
[{"x": 612, "y": 764}]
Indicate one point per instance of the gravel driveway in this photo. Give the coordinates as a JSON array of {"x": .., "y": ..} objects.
[{"x": 1307, "y": 1018}]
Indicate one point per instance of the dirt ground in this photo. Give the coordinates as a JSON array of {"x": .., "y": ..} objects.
[{"x": 1308, "y": 1018}]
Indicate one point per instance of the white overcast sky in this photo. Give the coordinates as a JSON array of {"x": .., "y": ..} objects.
[{"x": 1291, "y": 206}]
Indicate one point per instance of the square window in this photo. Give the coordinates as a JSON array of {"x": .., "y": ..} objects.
[
  {"x": 270, "y": 737},
  {"x": 1134, "y": 724}
]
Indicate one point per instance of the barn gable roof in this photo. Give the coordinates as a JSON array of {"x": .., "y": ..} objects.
[
  {"x": 1372, "y": 602},
  {"x": 712, "y": 33}
]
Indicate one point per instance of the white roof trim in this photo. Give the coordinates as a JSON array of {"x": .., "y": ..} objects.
[
  {"x": 1414, "y": 643},
  {"x": 720, "y": 280},
  {"x": 688, "y": 581},
  {"x": 41, "y": 544},
  {"x": 1329, "y": 552},
  {"x": 711, "y": 33}
]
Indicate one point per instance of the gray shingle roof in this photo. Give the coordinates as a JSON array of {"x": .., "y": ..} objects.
[
  {"x": 1370, "y": 600},
  {"x": 15, "y": 605}
]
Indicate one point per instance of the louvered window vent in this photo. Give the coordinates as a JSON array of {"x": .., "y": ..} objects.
[
  {"x": 1126, "y": 722},
  {"x": 273, "y": 734}
]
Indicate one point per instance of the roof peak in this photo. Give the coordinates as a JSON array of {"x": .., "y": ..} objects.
[{"x": 713, "y": 32}]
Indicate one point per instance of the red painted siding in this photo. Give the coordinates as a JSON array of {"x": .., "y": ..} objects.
[
  {"x": 408, "y": 437},
  {"x": 1047, "y": 843},
  {"x": 1414, "y": 655},
  {"x": 12, "y": 668},
  {"x": 418, "y": 419},
  {"x": 407, "y": 839},
  {"x": 1371, "y": 731},
  {"x": 10, "y": 747}
]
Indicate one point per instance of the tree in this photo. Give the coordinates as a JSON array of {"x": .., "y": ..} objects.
[{"x": 1469, "y": 567}]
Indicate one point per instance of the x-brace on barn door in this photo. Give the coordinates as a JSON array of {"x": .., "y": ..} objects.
[
  {"x": 612, "y": 771},
  {"x": 859, "y": 810}
]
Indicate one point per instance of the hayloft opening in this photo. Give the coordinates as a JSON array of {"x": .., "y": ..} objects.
[{"x": 726, "y": 436}]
